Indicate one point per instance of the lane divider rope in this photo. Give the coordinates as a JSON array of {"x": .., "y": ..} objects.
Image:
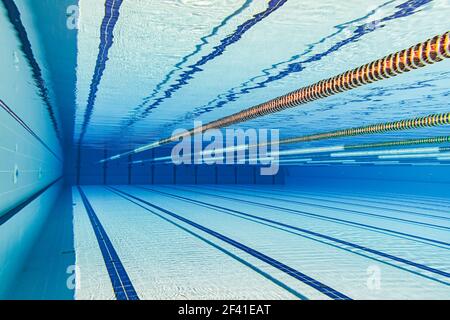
[
  {"x": 425, "y": 53},
  {"x": 408, "y": 142},
  {"x": 415, "y": 123}
]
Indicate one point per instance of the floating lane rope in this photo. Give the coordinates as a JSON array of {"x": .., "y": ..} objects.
[
  {"x": 330, "y": 149},
  {"x": 432, "y": 120},
  {"x": 431, "y": 51},
  {"x": 415, "y": 123},
  {"x": 409, "y": 142}
]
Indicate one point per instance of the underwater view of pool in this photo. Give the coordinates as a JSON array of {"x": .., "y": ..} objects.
[{"x": 224, "y": 150}]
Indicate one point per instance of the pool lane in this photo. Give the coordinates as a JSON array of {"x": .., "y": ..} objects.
[
  {"x": 312, "y": 233},
  {"x": 393, "y": 204},
  {"x": 122, "y": 286},
  {"x": 323, "y": 288},
  {"x": 362, "y": 208},
  {"x": 423, "y": 233},
  {"x": 169, "y": 261},
  {"x": 92, "y": 277},
  {"x": 431, "y": 209},
  {"x": 342, "y": 270},
  {"x": 393, "y": 198},
  {"x": 389, "y": 244},
  {"x": 221, "y": 249}
]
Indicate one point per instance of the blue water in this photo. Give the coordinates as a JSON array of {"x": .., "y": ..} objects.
[{"x": 85, "y": 80}]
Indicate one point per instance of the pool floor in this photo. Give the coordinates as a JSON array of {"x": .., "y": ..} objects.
[{"x": 256, "y": 242}]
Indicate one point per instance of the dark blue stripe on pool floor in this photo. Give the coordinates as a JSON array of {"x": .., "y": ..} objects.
[
  {"x": 349, "y": 201},
  {"x": 121, "y": 283},
  {"x": 336, "y": 220},
  {"x": 319, "y": 235},
  {"x": 430, "y": 225},
  {"x": 311, "y": 237},
  {"x": 221, "y": 249},
  {"x": 328, "y": 291},
  {"x": 387, "y": 203}
]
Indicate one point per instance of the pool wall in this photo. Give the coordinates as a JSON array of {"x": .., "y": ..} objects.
[
  {"x": 33, "y": 131},
  {"x": 123, "y": 171}
]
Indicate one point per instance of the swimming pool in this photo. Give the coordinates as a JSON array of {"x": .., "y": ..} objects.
[{"x": 224, "y": 149}]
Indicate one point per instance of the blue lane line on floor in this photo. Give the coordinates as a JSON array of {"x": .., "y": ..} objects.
[
  {"x": 326, "y": 290},
  {"x": 397, "y": 197},
  {"x": 360, "y": 213},
  {"x": 337, "y": 246},
  {"x": 223, "y": 250},
  {"x": 385, "y": 204},
  {"x": 121, "y": 283},
  {"x": 313, "y": 197},
  {"x": 336, "y": 220},
  {"x": 319, "y": 235}
]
